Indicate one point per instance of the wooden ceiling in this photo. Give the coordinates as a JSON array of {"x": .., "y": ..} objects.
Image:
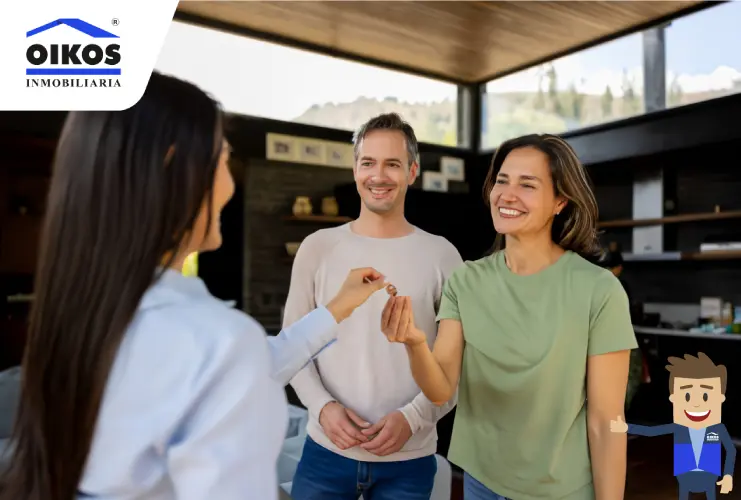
[{"x": 461, "y": 41}]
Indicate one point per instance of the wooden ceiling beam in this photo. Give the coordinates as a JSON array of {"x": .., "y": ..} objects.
[
  {"x": 265, "y": 36},
  {"x": 459, "y": 42}
]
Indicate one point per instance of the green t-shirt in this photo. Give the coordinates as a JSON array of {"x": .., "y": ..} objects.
[{"x": 520, "y": 426}]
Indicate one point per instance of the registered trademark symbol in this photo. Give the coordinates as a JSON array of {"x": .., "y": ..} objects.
[{"x": 114, "y": 21}]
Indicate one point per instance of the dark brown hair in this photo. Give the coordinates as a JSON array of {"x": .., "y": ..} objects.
[
  {"x": 388, "y": 121},
  {"x": 126, "y": 189},
  {"x": 575, "y": 228},
  {"x": 696, "y": 368}
]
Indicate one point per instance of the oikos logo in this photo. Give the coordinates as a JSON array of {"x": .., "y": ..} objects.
[
  {"x": 92, "y": 54},
  {"x": 65, "y": 64}
]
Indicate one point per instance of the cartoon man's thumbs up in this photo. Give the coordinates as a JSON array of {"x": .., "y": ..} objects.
[{"x": 618, "y": 426}]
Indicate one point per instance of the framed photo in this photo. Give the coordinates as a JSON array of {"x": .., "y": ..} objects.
[
  {"x": 339, "y": 154},
  {"x": 281, "y": 147},
  {"x": 310, "y": 151},
  {"x": 434, "y": 181},
  {"x": 453, "y": 168}
]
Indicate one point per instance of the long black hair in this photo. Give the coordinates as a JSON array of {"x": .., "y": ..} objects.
[{"x": 126, "y": 189}]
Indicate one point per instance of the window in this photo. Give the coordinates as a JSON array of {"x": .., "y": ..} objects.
[
  {"x": 703, "y": 60},
  {"x": 257, "y": 78},
  {"x": 590, "y": 87}
]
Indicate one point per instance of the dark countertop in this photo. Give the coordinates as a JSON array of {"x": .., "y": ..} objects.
[{"x": 685, "y": 333}]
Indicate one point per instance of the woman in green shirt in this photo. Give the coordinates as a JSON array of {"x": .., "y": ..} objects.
[{"x": 536, "y": 338}]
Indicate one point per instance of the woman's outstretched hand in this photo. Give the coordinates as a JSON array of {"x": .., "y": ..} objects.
[
  {"x": 397, "y": 322},
  {"x": 359, "y": 285}
]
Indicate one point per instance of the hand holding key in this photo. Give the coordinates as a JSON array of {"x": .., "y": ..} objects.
[
  {"x": 359, "y": 285},
  {"x": 397, "y": 322}
]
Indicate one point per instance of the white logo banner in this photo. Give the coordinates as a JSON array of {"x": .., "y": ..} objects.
[{"x": 70, "y": 55}]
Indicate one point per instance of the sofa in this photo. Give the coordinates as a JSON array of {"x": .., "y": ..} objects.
[{"x": 10, "y": 388}]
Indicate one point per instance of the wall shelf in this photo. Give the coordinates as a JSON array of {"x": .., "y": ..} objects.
[
  {"x": 672, "y": 219},
  {"x": 712, "y": 255},
  {"x": 326, "y": 219},
  {"x": 677, "y": 256}
]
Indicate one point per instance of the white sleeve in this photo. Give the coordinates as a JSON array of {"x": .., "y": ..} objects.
[
  {"x": 422, "y": 413},
  {"x": 228, "y": 444},
  {"x": 297, "y": 345}
]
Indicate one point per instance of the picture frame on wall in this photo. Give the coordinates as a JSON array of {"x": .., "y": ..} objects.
[
  {"x": 453, "y": 168},
  {"x": 310, "y": 151},
  {"x": 434, "y": 181},
  {"x": 339, "y": 154},
  {"x": 281, "y": 147}
]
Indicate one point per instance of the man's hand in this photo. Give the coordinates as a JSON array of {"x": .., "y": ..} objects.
[
  {"x": 618, "y": 426},
  {"x": 391, "y": 434},
  {"x": 726, "y": 484},
  {"x": 359, "y": 285},
  {"x": 341, "y": 425}
]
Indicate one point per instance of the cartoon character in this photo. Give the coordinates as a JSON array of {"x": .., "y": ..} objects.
[{"x": 697, "y": 389}]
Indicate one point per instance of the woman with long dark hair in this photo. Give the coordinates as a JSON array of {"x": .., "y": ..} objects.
[
  {"x": 137, "y": 383},
  {"x": 538, "y": 336}
]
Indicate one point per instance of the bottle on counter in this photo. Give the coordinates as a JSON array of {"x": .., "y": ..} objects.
[
  {"x": 735, "y": 326},
  {"x": 726, "y": 315}
]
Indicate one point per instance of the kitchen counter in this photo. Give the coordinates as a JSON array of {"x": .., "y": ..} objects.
[{"x": 686, "y": 333}]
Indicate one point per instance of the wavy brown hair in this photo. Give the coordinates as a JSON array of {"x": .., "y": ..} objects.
[
  {"x": 126, "y": 190},
  {"x": 575, "y": 228}
]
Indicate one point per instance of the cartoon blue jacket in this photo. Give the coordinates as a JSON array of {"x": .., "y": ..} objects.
[{"x": 684, "y": 452}]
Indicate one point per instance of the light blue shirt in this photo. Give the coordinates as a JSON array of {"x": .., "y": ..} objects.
[
  {"x": 697, "y": 437},
  {"x": 195, "y": 407}
]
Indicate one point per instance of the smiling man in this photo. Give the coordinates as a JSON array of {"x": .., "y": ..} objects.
[
  {"x": 371, "y": 430},
  {"x": 697, "y": 389}
]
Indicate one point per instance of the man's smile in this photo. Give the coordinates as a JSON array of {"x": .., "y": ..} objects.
[{"x": 697, "y": 416}]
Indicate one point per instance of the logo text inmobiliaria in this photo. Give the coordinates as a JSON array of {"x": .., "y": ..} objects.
[{"x": 55, "y": 65}]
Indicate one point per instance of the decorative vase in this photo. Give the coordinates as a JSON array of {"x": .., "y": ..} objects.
[
  {"x": 292, "y": 247},
  {"x": 329, "y": 206},
  {"x": 302, "y": 206}
]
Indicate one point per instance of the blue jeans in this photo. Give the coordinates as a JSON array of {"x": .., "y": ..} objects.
[
  {"x": 474, "y": 490},
  {"x": 324, "y": 475}
]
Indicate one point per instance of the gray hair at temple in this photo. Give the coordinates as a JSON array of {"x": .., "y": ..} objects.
[{"x": 388, "y": 121}]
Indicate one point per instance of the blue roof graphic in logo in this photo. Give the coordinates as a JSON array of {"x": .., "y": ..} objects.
[{"x": 78, "y": 24}]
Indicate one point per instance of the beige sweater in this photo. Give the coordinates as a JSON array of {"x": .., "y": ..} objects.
[{"x": 362, "y": 370}]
